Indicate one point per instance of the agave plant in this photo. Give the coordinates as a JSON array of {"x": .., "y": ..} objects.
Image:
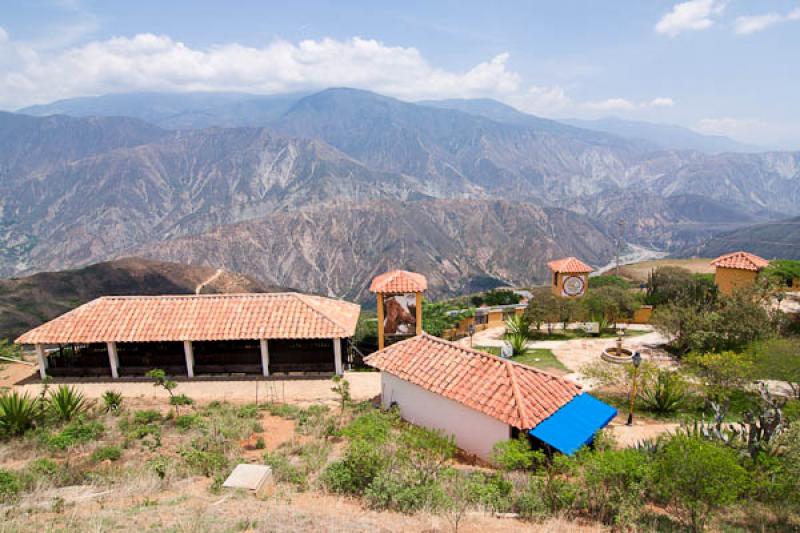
[
  {"x": 518, "y": 325},
  {"x": 517, "y": 341},
  {"x": 112, "y": 400},
  {"x": 666, "y": 393},
  {"x": 18, "y": 413},
  {"x": 65, "y": 403}
]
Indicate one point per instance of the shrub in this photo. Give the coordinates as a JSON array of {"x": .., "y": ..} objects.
[
  {"x": 205, "y": 462},
  {"x": 180, "y": 399},
  {"x": 260, "y": 444},
  {"x": 514, "y": 454},
  {"x": 283, "y": 470},
  {"x": 613, "y": 485},
  {"x": 697, "y": 477},
  {"x": 595, "y": 282},
  {"x": 492, "y": 491},
  {"x": 373, "y": 426},
  {"x": 65, "y": 403},
  {"x": 9, "y": 486},
  {"x": 110, "y": 453},
  {"x": 76, "y": 432},
  {"x": 187, "y": 422},
  {"x": 160, "y": 380},
  {"x": 404, "y": 490},
  {"x": 147, "y": 416},
  {"x": 112, "y": 401},
  {"x": 18, "y": 413},
  {"x": 352, "y": 474},
  {"x": 722, "y": 373},
  {"x": 665, "y": 393}
]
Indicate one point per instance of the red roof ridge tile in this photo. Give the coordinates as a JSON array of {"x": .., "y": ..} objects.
[
  {"x": 412, "y": 282},
  {"x": 477, "y": 384},
  {"x": 306, "y": 298},
  {"x": 568, "y": 265}
]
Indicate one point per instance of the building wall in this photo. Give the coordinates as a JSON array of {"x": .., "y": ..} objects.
[
  {"x": 642, "y": 315},
  {"x": 473, "y": 431},
  {"x": 558, "y": 283},
  {"x": 730, "y": 279}
]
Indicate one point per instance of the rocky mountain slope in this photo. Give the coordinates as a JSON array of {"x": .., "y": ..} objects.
[
  {"x": 74, "y": 191},
  {"x": 27, "y": 302},
  {"x": 780, "y": 239},
  {"x": 461, "y": 245}
]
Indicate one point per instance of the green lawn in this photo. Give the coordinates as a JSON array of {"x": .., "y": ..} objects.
[
  {"x": 565, "y": 335},
  {"x": 537, "y": 357}
]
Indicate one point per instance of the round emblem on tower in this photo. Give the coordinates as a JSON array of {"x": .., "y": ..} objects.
[{"x": 573, "y": 285}]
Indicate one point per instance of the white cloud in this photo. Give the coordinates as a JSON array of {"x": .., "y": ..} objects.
[
  {"x": 747, "y": 25},
  {"x": 148, "y": 62},
  {"x": 661, "y": 101},
  {"x": 611, "y": 104},
  {"x": 690, "y": 15},
  {"x": 753, "y": 131}
]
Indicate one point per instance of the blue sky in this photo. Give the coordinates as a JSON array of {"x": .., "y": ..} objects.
[{"x": 726, "y": 67}]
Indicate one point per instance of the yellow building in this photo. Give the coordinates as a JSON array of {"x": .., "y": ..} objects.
[
  {"x": 737, "y": 270},
  {"x": 485, "y": 318},
  {"x": 570, "y": 277}
]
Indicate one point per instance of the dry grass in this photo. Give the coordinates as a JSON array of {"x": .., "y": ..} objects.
[{"x": 638, "y": 271}]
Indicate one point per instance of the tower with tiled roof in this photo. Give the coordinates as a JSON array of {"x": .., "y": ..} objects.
[
  {"x": 399, "y": 298},
  {"x": 737, "y": 270},
  {"x": 570, "y": 277}
]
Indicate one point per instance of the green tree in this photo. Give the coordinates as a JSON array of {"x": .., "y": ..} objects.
[
  {"x": 678, "y": 286},
  {"x": 544, "y": 307},
  {"x": 721, "y": 373},
  {"x": 609, "y": 304},
  {"x": 697, "y": 478},
  {"x": 160, "y": 380}
]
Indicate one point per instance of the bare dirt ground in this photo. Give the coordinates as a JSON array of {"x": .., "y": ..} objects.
[
  {"x": 363, "y": 386},
  {"x": 190, "y": 507},
  {"x": 639, "y": 271}
]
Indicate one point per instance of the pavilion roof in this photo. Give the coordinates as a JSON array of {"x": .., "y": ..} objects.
[{"x": 199, "y": 317}]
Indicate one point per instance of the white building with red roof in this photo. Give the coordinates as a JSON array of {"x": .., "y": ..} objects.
[{"x": 480, "y": 399}]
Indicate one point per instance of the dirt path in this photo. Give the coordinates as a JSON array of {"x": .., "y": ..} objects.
[
  {"x": 576, "y": 353},
  {"x": 363, "y": 386},
  {"x": 212, "y": 279}
]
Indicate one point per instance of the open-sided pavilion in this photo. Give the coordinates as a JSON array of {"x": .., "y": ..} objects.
[{"x": 191, "y": 335}]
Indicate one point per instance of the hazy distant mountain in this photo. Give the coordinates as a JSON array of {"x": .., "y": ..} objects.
[
  {"x": 75, "y": 191},
  {"x": 780, "y": 239},
  {"x": 665, "y": 136},
  {"x": 176, "y": 110},
  {"x": 28, "y": 302}
]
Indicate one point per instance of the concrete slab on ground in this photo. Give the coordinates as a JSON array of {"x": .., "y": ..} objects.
[{"x": 250, "y": 477}]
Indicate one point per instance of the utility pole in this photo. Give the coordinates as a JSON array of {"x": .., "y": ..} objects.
[{"x": 620, "y": 224}]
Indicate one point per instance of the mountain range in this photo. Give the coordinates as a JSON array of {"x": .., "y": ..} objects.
[
  {"x": 29, "y": 301},
  {"x": 321, "y": 191}
]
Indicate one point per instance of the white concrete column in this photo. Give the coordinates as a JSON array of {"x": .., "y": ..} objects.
[
  {"x": 337, "y": 356},
  {"x": 113, "y": 360},
  {"x": 42, "y": 361},
  {"x": 188, "y": 352},
  {"x": 264, "y": 357}
]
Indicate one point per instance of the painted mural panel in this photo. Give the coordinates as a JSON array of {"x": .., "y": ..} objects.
[{"x": 399, "y": 315}]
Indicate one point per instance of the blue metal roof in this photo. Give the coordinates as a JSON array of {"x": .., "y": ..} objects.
[{"x": 575, "y": 424}]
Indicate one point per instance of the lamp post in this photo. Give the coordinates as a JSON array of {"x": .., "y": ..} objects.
[
  {"x": 637, "y": 360},
  {"x": 471, "y": 331}
]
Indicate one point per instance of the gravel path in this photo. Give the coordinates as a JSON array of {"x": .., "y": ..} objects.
[{"x": 575, "y": 353}]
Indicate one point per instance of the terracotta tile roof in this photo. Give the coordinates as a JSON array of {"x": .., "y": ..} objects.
[
  {"x": 200, "y": 317},
  {"x": 740, "y": 260},
  {"x": 399, "y": 281},
  {"x": 518, "y": 395},
  {"x": 571, "y": 265}
]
